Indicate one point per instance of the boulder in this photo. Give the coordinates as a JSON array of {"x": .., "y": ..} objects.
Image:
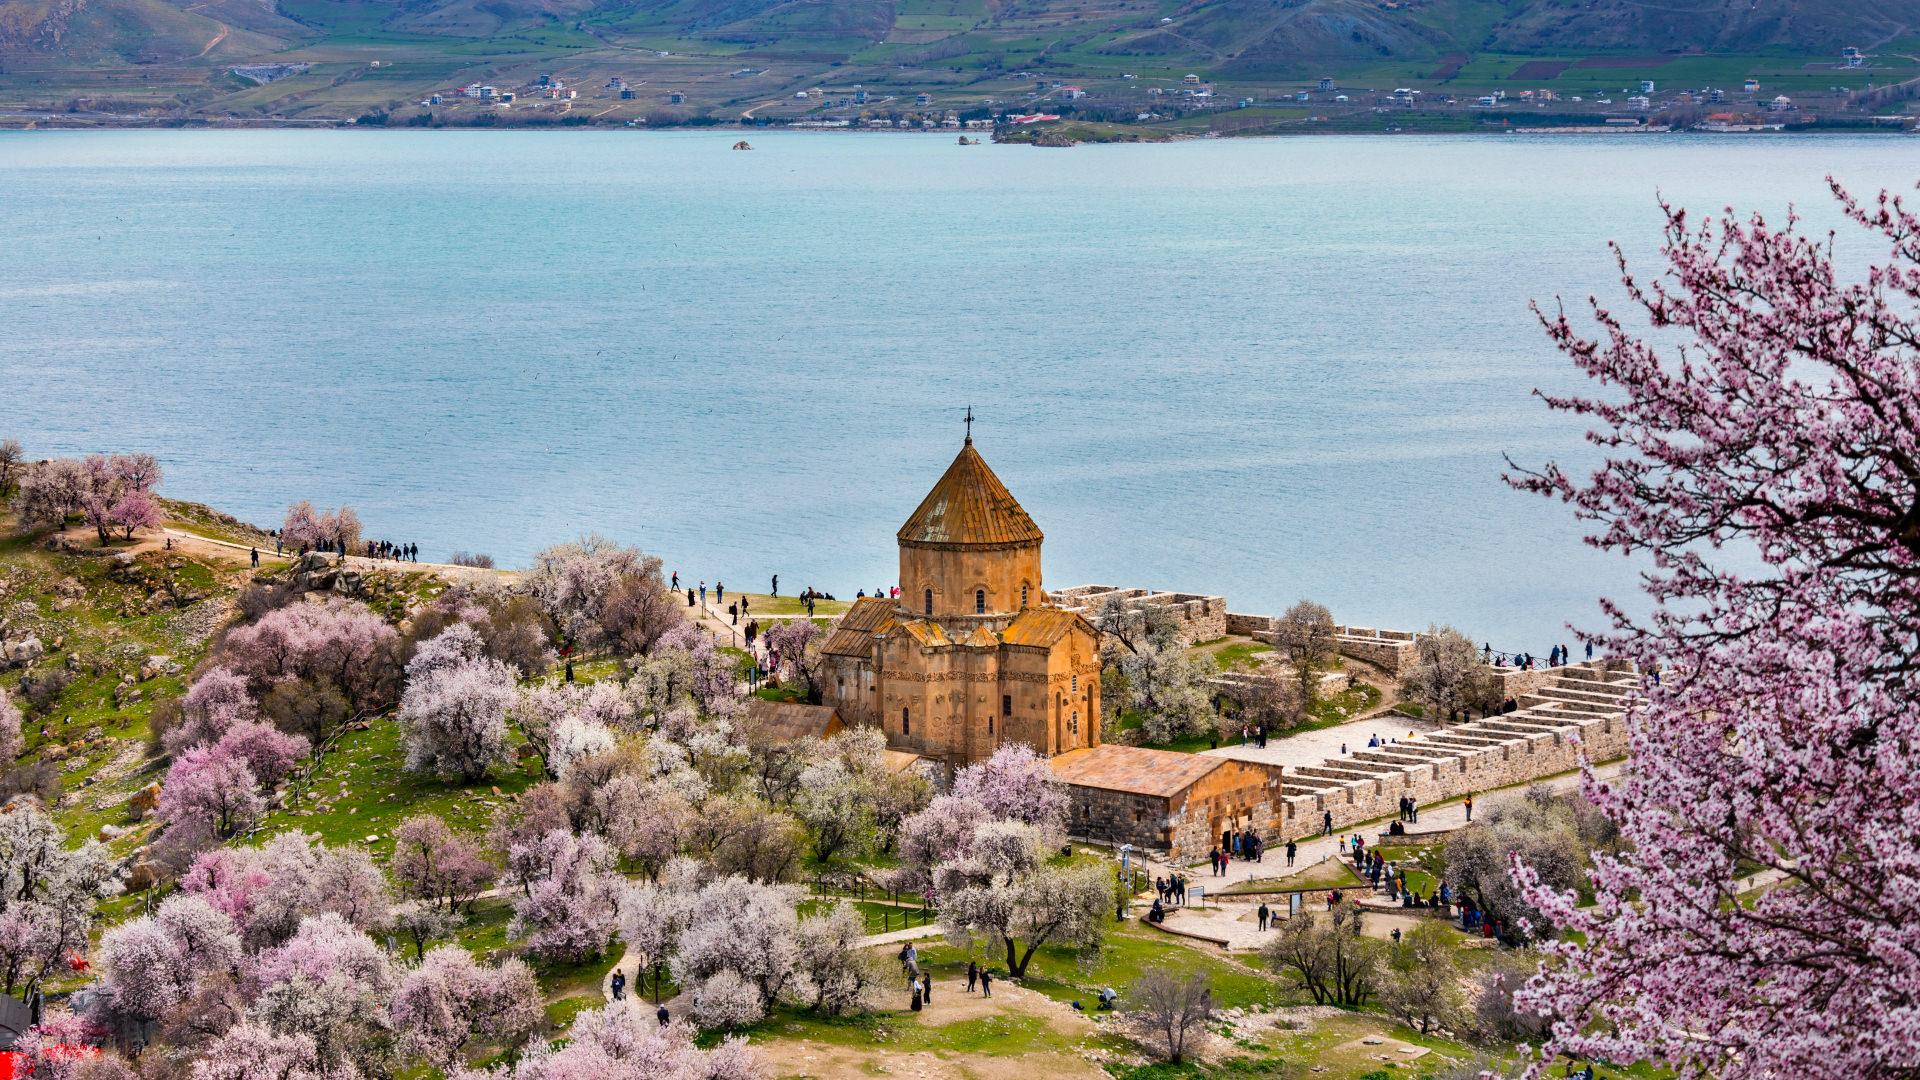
[
  {"x": 143, "y": 802},
  {"x": 142, "y": 877},
  {"x": 24, "y": 651}
]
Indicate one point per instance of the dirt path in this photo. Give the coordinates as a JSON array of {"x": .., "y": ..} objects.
[
  {"x": 964, "y": 1015},
  {"x": 217, "y": 39}
]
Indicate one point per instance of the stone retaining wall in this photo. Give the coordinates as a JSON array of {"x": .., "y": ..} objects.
[
  {"x": 1498, "y": 752},
  {"x": 1201, "y": 618}
]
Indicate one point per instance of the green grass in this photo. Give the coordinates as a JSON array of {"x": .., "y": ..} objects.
[
  {"x": 1332, "y": 874},
  {"x": 1425, "y": 865},
  {"x": 1341, "y": 707},
  {"x": 1240, "y": 655},
  {"x": 1129, "y": 951},
  {"x": 380, "y": 793},
  {"x": 761, "y": 606},
  {"x": 880, "y": 918}
]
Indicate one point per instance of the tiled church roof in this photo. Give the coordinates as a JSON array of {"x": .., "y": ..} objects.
[{"x": 969, "y": 505}]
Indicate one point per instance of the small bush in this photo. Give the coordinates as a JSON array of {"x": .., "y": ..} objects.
[{"x": 471, "y": 558}]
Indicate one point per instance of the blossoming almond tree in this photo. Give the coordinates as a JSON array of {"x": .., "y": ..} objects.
[{"x": 1764, "y": 459}]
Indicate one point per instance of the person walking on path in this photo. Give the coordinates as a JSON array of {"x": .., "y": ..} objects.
[
  {"x": 733, "y": 612},
  {"x": 719, "y": 592},
  {"x": 1213, "y": 860},
  {"x": 1469, "y": 806},
  {"x": 255, "y": 554},
  {"x": 986, "y": 983},
  {"x": 776, "y": 585},
  {"x": 973, "y": 976},
  {"x": 926, "y": 987},
  {"x": 1264, "y": 916},
  {"x": 1326, "y": 823},
  {"x": 675, "y": 586},
  {"x": 619, "y": 985}
]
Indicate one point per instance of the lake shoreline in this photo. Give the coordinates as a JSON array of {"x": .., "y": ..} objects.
[{"x": 29, "y": 120}]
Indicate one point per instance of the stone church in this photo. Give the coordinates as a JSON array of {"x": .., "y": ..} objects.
[{"x": 973, "y": 654}]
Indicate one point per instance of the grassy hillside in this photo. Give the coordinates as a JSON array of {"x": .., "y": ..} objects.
[{"x": 116, "y": 61}]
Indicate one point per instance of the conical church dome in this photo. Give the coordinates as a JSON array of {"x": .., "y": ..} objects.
[{"x": 969, "y": 506}]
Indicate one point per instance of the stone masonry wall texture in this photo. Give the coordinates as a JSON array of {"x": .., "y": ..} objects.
[{"x": 1580, "y": 713}]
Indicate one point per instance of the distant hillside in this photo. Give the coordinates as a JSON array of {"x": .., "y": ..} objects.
[
  {"x": 1818, "y": 26},
  {"x": 679, "y": 61},
  {"x": 1247, "y": 36}
]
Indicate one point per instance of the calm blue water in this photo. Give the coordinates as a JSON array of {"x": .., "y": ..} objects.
[{"x": 1268, "y": 369}]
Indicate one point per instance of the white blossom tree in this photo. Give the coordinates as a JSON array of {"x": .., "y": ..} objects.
[{"x": 454, "y": 710}]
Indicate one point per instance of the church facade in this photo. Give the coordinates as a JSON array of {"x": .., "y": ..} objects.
[{"x": 973, "y": 655}]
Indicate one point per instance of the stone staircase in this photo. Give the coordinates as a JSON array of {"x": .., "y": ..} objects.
[{"x": 1564, "y": 714}]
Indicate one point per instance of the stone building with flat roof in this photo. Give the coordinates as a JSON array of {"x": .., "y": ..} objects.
[
  {"x": 973, "y": 654},
  {"x": 1165, "y": 800}
]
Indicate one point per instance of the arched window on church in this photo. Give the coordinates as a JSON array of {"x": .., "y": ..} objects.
[
  {"x": 906, "y": 721},
  {"x": 929, "y": 601},
  {"x": 1073, "y": 725},
  {"x": 979, "y": 601}
]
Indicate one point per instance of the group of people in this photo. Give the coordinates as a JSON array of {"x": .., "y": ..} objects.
[
  {"x": 1390, "y": 877},
  {"x": 920, "y": 983},
  {"x": 388, "y": 550},
  {"x": 1169, "y": 889},
  {"x": 1257, "y": 735},
  {"x": 1525, "y": 661},
  {"x": 385, "y": 550},
  {"x": 1236, "y": 844}
]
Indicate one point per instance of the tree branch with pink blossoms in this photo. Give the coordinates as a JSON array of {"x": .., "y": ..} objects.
[{"x": 1763, "y": 459}]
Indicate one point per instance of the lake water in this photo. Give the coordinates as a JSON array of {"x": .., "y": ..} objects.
[{"x": 1263, "y": 368}]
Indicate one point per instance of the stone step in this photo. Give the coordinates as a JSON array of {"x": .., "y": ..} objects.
[{"x": 1583, "y": 691}]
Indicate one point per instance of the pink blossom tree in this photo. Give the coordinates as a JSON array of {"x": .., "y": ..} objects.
[
  {"x": 340, "y": 644},
  {"x": 270, "y": 754},
  {"x": 569, "y": 908},
  {"x": 268, "y": 890},
  {"x": 438, "y": 866},
  {"x": 133, "y": 511},
  {"x": 599, "y": 593},
  {"x": 320, "y": 530},
  {"x": 1017, "y": 784},
  {"x": 1764, "y": 461},
  {"x": 117, "y": 492},
  {"x": 59, "y": 1048},
  {"x": 744, "y": 933},
  {"x": 152, "y": 963},
  {"x": 218, "y": 700},
  {"x": 454, "y": 712},
  {"x": 451, "y": 999},
  {"x": 331, "y": 981},
  {"x": 792, "y": 647},
  {"x": 252, "y": 1051},
  {"x": 212, "y": 791},
  {"x": 652, "y": 917},
  {"x": 543, "y": 708},
  {"x": 623, "y": 1042}
]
